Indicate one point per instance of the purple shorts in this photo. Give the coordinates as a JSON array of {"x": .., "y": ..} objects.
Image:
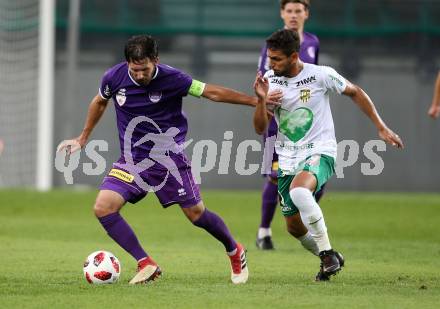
[
  {"x": 273, "y": 174},
  {"x": 274, "y": 171},
  {"x": 166, "y": 185}
]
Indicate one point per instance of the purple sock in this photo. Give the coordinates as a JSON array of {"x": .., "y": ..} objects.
[
  {"x": 215, "y": 226},
  {"x": 269, "y": 203},
  {"x": 118, "y": 229}
]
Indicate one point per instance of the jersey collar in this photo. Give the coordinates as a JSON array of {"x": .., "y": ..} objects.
[
  {"x": 132, "y": 79},
  {"x": 137, "y": 84},
  {"x": 155, "y": 73}
]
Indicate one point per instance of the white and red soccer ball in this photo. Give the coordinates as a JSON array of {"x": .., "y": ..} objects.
[{"x": 102, "y": 267}]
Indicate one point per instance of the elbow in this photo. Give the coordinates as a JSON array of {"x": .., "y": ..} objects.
[{"x": 259, "y": 131}]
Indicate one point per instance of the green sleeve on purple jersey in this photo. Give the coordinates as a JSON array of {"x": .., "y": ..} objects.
[{"x": 196, "y": 88}]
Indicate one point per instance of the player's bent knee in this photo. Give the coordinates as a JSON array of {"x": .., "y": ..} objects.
[
  {"x": 102, "y": 209},
  {"x": 305, "y": 202},
  {"x": 107, "y": 202},
  {"x": 301, "y": 197},
  {"x": 99, "y": 210},
  {"x": 195, "y": 212}
]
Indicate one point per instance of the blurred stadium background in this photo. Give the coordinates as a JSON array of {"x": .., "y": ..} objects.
[
  {"x": 390, "y": 240},
  {"x": 389, "y": 47}
]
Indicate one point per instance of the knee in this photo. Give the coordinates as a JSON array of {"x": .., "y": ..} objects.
[
  {"x": 102, "y": 209},
  {"x": 194, "y": 213},
  {"x": 107, "y": 202},
  {"x": 301, "y": 196}
]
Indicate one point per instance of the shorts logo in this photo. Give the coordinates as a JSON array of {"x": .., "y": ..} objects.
[
  {"x": 181, "y": 192},
  {"x": 155, "y": 96},
  {"x": 281, "y": 199},
  {"x": 304, "y": 95},
  {"x": 286, "y": 209},
  {"x": 275, "y": 166},
  {"x": 314, "y": 160},
  {"x": 121, "y": 175},
  {"x": 120, "y": 96}
]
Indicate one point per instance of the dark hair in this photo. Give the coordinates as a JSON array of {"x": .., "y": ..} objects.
[
  {"x": 140, "y": 47},
  {"x": 284, "y": 40},
  {"x": 306, "y": 3}
]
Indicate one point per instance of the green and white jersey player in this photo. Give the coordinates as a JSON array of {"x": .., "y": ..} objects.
[
  {"x": 304, "y": 118},
  {"x": 306, "y": 143}
]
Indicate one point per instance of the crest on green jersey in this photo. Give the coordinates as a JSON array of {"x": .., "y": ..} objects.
[{"x": 296, "y": 124}]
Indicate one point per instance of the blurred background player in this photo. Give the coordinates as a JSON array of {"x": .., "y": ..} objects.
[
  {"x": 294, "y": 14},
  {"x": 142, "y": 86},
  {"x": 434, "y": 110},
  {"x": 306, "y": 142}
]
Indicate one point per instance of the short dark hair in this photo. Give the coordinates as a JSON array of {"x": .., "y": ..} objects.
[
  {"x": 306, "y": 3},
  {"x": 284, "y": 40},
  {"x": 140, "y": 47}
]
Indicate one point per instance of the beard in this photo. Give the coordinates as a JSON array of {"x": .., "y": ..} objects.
[
  {"x": 143, "y": 82},
  {"x": 279, "y": 73},
  {"x": 284, "y": 72}
]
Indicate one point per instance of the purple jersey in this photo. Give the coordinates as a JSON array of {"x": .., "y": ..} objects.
[
  {"x": 160, "y": 101},
  {"x": 308, "y": 52}
]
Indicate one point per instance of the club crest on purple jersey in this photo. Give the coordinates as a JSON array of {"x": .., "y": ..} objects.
[
  {"x": 120, "y": 97},
  {"x": 155, "y": 96}
]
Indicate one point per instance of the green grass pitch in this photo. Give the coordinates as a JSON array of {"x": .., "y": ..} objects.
[{"x": 391, "y": 243}]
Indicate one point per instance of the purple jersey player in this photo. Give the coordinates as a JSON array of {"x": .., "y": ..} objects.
[
  {"x": 294, "y": 13},
  {"x": 152, "y": 129}
]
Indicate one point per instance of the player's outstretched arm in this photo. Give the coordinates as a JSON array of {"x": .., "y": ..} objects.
[
  {"x": 261, "y": 118},
  {"x": 96, "y": 109},
  {"x": 367, "y": 106},
  {"x": 226, "y": 95},
  {"x": 434, "y": 110}
]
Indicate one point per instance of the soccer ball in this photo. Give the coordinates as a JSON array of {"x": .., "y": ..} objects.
[{"x": 102, "y": 267}]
